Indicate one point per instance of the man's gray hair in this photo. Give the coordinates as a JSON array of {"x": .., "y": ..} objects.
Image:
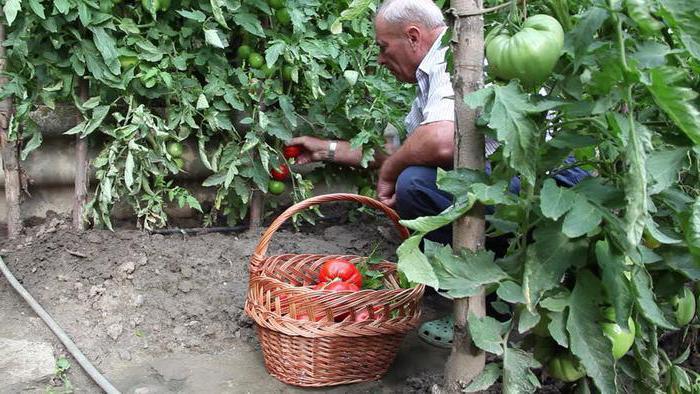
[{"x": 423, "y": 12}]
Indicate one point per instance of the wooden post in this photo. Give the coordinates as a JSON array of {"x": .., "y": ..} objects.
[
  {"x": 82, "y": 179},
  {"x": 10, "y": 155},
  {"x": 466, "y": 361},
  {"x": 256, "y": 211}
]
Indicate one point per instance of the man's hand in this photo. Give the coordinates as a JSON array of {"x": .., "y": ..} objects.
[
  {"x": 386, "y": 189},
  {"x": 314, "y": 149}
]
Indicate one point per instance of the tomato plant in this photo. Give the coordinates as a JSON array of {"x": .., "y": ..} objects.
[{"x": 340, "y": 269}]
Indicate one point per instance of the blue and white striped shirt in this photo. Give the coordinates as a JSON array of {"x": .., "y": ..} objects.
[{"x": 434, "y": 100}]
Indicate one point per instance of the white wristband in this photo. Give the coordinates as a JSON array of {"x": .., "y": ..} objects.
[{"x": 331, "y": 150}]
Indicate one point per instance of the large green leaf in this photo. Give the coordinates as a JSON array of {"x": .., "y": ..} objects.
[
  {"x": 641, "y": 283},
  {"x": 636, "y": 183},
  {"x": 555, "y": 201},
  {"x": 615, "y": 283},
  {"x": 486, "y": 333},
  {"x": 685, "y": 18},
  {"x": 639, "y": 11},
  {"x": 485, "y": 379},
  {"x": 462, "y": 275},
  {"x": 582, "y": 218},
  {"x": 10, "y": 9},
  {"x": 517, "y": 374},
  {"x": 676, "y": 101},
  {"x": 663, "y": 168},
  {"x": 426, "y": 224},
  {"x": 547, "y": 260},
  {"x": 414, "y": 264},
  {"x": 680, "y": 260},
  {"x": 691, "y": 228},
  {"x": 588, "y": 342}
]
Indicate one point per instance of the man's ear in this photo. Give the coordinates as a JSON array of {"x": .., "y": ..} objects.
[{"x": 413, "y": 33}]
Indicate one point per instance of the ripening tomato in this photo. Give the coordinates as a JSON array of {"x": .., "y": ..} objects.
[
  {"x": 281, "y": 173},
  {"x": 339, "y": 268},
  {"x": 528, "y": 55},
  {"x": 292, "y": 151}
]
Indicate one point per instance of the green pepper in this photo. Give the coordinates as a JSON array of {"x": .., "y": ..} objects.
[{"x": 530, "y": 54}]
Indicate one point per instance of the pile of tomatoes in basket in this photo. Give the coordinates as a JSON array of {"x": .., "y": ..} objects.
[{"x": 339, "y": 274}]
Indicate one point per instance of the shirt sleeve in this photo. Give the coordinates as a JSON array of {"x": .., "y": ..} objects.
[{"x": 439, "y": 105}]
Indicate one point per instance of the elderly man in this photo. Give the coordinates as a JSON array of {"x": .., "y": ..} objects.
[{"x": 409, "y": 34}]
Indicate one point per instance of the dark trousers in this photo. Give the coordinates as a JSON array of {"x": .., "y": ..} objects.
[{"x": 417, "y": 195}]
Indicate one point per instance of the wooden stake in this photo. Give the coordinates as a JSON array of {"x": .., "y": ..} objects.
[
  {"x": 466, "y": 361},
  {"x": 10, "y": 155},
  {"x": 256, "y": 211},
  {"x": 82, "y": 179}
]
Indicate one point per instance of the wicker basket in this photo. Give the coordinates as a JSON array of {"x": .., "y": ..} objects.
[{"x": 317, "y": 338}]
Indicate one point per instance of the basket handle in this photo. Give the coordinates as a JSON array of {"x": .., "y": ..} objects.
[{"x": 259, "y": 254}]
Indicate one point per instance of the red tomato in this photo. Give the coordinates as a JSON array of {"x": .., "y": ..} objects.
[
  {"x": 292, "y": 151},
  {"x": 341, "y": 286},
  {"x": 342, "y": 269},
  {"x": 304, "y": 316},
  {"x": 280, "y": 174}
]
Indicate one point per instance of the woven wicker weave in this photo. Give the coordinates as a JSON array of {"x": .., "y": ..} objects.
[{"x": 310, "y": 337}]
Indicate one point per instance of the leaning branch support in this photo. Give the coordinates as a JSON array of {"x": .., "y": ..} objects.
[
  {"x": 466, "y": 361},
  {"x": 10, "y": 153}
]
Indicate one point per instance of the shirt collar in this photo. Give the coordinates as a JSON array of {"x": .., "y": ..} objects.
[{"x": 432, "y": 57}]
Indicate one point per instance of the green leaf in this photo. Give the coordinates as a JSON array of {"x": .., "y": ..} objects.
[
  {"x": 639, "y": 12},
  {"x": 692, "y": 229},
  {"x": 583, "y": 218},
  {"x": 202, "y": 102},
  {"x": 414, "y": 264},
  {"x": 555, "y": 201},
  {"x": 636, "y": 182},
  {"x": 663, "y": 168},
  {"x": 33, "y": 144},
  {"x": 686, "y": 20},
  {"x": 10, "y": 9},
  {"x": 527, "y": 320},
  {"x": 511, "y": 292},
  {"x": 485, "y": 379},
  {"x": 458, "y": 182},
  {"x": 214, "y": 38},
  {"x": 580, "y": 38},
  {"x": 216, "y": 7},
  {"x": 37, "y": 8},
  {"x": 249, "y": 22},
  {"x": 288, "y": 110},
  {"x": 557, "y": 328},
  {"x": 615, "y": 283},
  {"x": 129, "y": 170},
  {"x": 587, "y": 341},
  {"x": 462, "y": 275},
  {"x": 351, "y": 76},
  {"x": 514, "y": 129},
  {"x": 195, "y": 15},
  {"x": 107, "y": 46},
  {"x": 641, "y": 283},
  {"x": 676, "y": 101},
  {"x": 650, "y": 54},
  {"x": 547, "y": 259},
  {"x": 486, "y": 333},
  {"x": 678, "y": 259},
  {"x": 426, "y": 224},
  {"x": 274, "y": 51},
  {"x": 517, "y": 375},
  {"x": 98, "y": 116},
  {"x": 493, "y": 194}
]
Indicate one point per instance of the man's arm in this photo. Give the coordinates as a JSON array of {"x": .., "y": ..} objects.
[
  {"x": 431, "y": 144},
  {"x": 316, "y": 149}
]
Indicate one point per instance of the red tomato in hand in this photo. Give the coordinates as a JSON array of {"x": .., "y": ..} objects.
[
  {"x": 292, "y": 151},
  {"x": 280, "y": 174},
  {"x": 341, "y": 269}
]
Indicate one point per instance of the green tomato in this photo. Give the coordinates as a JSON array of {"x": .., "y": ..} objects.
[
  {"x": 684, "y": 307},
  {"x": 276, "y": 4},
  {"x": 283, "y": 17},
  {"x": 128, "y": 61},
  {"x": 620, "y": 339},
  {"x": 180, "y": 162},
  {"x": 255, "y": 60},
  {"x": 175, "y": 148},
  {"x": 244, "y": 51},
  {"x": 565, "y": 367},
  {"x": 268, "y": 71},
  {"x": 276, "y": 187},
  {"x": 287, "y": 72},
  {"x": 530, "y": 54}
]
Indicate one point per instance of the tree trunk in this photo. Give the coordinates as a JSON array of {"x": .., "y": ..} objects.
[
  {"x": 10, "y": 155},
  {"x": 466, "y": 361},
  {"x": 82, "y": 178}
]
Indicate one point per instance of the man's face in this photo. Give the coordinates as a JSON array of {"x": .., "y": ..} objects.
[{"x": 397, "y": 50}]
